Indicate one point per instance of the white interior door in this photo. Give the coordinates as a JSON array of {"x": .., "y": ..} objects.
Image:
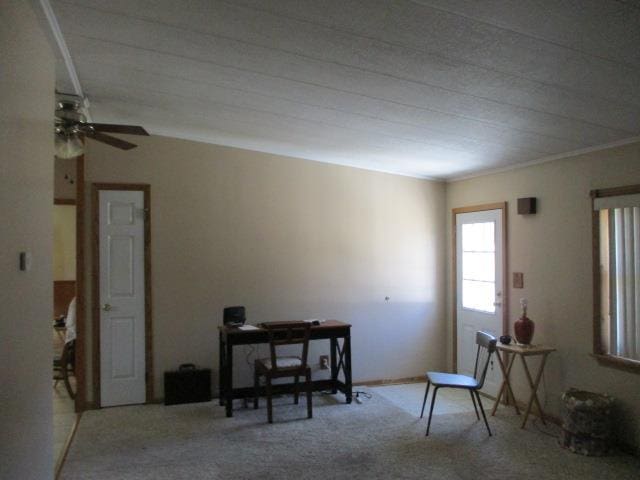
[
  {"x": 122, "y": 297},
  {"x": 479, "y": 286}
]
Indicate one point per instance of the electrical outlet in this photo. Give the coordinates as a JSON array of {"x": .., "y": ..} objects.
[{"x": 324, "y": 362}]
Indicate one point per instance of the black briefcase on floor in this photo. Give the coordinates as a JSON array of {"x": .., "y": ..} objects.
[{"x": 187, "y": 385}]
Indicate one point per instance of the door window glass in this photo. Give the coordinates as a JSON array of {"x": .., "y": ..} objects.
[{"x": 478, "y": 266}]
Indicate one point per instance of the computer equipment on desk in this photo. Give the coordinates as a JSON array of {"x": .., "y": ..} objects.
[{"x": 234, "y": 316}]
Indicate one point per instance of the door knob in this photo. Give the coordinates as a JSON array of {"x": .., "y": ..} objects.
[
  {"x": 106, "y": 307},
  {"x": 497, "y": 304}
]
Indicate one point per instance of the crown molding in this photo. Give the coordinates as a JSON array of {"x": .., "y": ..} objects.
[
  {"x": 538, "y": 161},
  {"x": 55, "y": 34}
]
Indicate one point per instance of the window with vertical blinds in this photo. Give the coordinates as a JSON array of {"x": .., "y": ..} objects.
[
  {"x": 617, "y": 278},
  {"x": 625, "y": 282}
]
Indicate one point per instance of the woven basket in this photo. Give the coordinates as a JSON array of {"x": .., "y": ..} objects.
[{"x": 586, "y": 426}]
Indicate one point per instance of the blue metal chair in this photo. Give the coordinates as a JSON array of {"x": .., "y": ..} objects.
[{"x": 486, "y": 346}]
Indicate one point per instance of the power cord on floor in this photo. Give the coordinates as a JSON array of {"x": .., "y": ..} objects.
[
  {"x": 359, "y": 395},
  {"x": 364, "y": 394},
  {"x": 249, "y": 351},
  {"x": 547, "y": 429}
]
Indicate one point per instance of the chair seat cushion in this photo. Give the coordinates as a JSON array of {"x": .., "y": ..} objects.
[
  {"x": 440, "y": 379},
  {"x": 282, "y": 362}
]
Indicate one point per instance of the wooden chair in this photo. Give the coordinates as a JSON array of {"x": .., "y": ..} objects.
[
  {"x": 64, "y": 366},
  {"x": 486, "y": 346},
  {"x": 280, "y": 334}
]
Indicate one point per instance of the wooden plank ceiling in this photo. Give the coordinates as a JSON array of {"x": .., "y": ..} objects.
[{"x": 427, "y": 88}]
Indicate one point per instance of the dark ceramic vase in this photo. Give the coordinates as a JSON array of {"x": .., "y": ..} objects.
[{"x": 523, "y": 329}]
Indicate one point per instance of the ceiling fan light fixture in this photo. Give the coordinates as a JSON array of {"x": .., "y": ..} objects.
[{"x": 68, "y": 145}]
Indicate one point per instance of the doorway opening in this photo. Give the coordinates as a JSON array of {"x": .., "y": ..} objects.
[{"x": 68, "y": 301}]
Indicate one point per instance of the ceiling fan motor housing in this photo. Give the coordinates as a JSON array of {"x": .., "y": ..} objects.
[
  {"x": 71, "y": 124},
  {"x": 69, "y": 110}
]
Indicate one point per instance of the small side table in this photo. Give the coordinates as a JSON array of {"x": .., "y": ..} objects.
[{"x": 522, "y": 351}]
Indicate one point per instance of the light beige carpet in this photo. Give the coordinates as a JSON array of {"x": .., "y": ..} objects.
[{"x": 374, "y": 440}]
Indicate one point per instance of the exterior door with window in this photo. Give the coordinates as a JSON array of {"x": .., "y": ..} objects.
[{"x": 479, "y": 287}]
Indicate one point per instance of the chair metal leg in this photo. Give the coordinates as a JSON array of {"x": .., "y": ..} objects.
[
  {"x": 309, "y": 400},
  {"x": 269, "y": 401},
  {"x": 482, "y": 410},
  {"x": 426, "y": 394},
  {"x": 433, "y": 402},
  {"x": 256, "y": 389},
  {"x": 296, "y": 391},
  {"x": 475, "y": 407}
]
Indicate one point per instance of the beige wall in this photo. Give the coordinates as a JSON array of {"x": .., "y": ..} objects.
[
  {"x": 289, "y": 239},
  {"x": 64, "y": 242},
  {"x": 26, "y": 192},
  {"x": 553, "y": 249}
]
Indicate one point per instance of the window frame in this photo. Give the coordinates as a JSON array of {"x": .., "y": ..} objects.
[{"x": 600, "y": 350}]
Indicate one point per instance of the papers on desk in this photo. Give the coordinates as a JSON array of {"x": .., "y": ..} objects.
[
  {"x": 312, "y": 321},
  {"x": 247, "y": 327}
]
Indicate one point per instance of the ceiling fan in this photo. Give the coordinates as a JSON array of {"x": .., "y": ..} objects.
[{"x": 71, "y": 126}]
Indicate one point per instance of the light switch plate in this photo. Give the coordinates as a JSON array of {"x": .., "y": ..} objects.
[
  {"x": 518, "y": 280},
  {"x": 25, "y": 261}
]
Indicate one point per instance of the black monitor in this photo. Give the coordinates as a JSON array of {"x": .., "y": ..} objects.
[{"x": 234, "y": 316}]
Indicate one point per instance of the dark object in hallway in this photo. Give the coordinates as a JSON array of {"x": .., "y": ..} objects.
[{"x": 187, "y": 385}]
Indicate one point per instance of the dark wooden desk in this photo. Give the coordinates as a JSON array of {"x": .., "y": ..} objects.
[{"x": 331, "y": 330}]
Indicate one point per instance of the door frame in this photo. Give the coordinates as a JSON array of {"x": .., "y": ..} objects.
[
  {"x": 503, "y": 206},
  {"x": 81, "y": 299},
  {"x": 80, "y": 402},
  {"x": 95, "y": 284}
]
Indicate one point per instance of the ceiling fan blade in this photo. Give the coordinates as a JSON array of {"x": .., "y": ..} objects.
[
  {"x": 109, "y": 140},
  {"x": 112, "y": 128}
]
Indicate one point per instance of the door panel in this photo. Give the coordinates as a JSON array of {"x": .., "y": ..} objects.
[
  {"x": 121, "y": 267},
  {"x": 122, "y": 297},
  {"x": 479, "y": 286}
]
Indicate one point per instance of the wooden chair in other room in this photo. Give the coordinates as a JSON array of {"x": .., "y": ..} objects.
[
  {"x": 64, "y": 366},
  {"x": 486, "y": 346},
  {"x": 281, "y": 334}
]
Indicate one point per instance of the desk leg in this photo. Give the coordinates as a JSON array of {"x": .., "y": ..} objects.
[
  {"x": 347, "y": 368},
  {"x": 334, "y": 365},
  {"x": 228, "y": 401},
  {"x": 221, "y": 369},
  {"x": 534, "y": 390}
]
